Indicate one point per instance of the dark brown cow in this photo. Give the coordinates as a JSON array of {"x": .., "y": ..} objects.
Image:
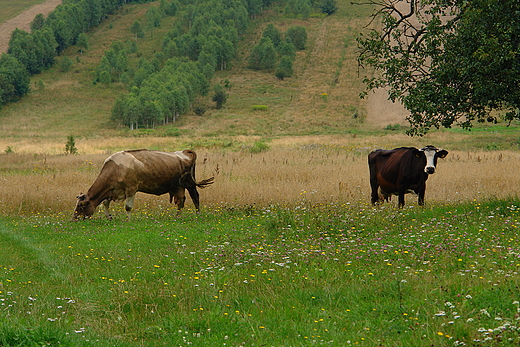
[
  {"x": 402, "y": 170},
  {"x": 152, "y": 172}
]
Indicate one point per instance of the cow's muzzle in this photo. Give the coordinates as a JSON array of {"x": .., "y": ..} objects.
[{"x": 429, "y": 170}]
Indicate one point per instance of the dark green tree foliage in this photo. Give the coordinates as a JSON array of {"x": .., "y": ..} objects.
[
  {"x": 219, "y": 96},
  {"x": 37, "y": 22},
  {"x": 169, "y": 8},
  {"x": 456, "y": 66},
  {"x": 115, "y": 62},
  {"x": 35, "y": 51},
  {"x": 298, "y": 36},
  {"x": 137, "y": 30},
  {"x": 163, "y": 96},
  {"x": 273, "y": 33},
  {"x": 263, "y": 55},
  {"x": 287, "y": 48},
  {"x": 298, "y": 8},
  {"x": 153, "y": 18},
  {"x": 82, "y": 42},
  {"x": 328, "y": 6},
  {"x": 14, "y": 79},
  {"x": 284, "y": 68}
]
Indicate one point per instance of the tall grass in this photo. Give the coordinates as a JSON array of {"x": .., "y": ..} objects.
[
  {"x": 309, "y": 173},
  {"x": 334, "y": 274}
]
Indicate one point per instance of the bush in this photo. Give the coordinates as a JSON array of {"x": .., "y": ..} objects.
[{"x": 260, "y": 107}]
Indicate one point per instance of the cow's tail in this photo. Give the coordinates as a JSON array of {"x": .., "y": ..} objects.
[{"x": 188, "y": 178}]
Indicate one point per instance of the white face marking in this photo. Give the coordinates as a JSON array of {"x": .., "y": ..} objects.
[{"x": 430, "y": 160}]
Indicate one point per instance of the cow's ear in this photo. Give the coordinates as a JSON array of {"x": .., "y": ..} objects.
[
  {"x": 442, "y": 153},
  {"x": 81, "y": 197},
  {"x": 417, "y": 153}
]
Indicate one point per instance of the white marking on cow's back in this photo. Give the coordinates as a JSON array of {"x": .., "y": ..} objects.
[
  {"x": 125, "y": 159},
  {"x": 181, "y": 155}
]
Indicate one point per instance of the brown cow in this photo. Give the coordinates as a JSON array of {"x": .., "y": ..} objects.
[
  {"x": 402, "y": 170},
  {"x": 152, "y": 172}
]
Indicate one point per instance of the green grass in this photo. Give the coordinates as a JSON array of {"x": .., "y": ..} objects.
[
  {"x": 315, "y": 275},
  {"x": 11, "y": 8}
]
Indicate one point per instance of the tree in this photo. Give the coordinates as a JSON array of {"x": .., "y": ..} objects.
[
  {"x": 37, "y": 22},
  {"x": 14, "y": 79},
  {"x": 65, "y": 64},
  {"x": 273, "y": 33},
  {"x": 82, "y": 42},
  {"x": 219, "y": 96},
  {"x": 284, "y": 68},
  {"x": 328, "y": 6},
  {"x": 298, "y": 36},
  {"x": 137, "y": 30},
  {"x": 450, "y": 62},
  {"x": 153, "y": 18},
  {"x": 263, "y": 55},
  {"x": 298, "y": 7}
]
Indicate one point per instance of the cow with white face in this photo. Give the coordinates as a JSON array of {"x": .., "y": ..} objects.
[
  {"x": 152, "y": 172},
  {"x": 402, "y": 170}
]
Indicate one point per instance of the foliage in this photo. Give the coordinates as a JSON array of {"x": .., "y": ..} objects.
[
  {"x": 263, "y": 55},
  {"x": 298, "y": 36},
  {"x": 328, "y": 6},
  {"x": 137, "y": 30},
  {"x": 199, "y": 110},
  {"x": 284, "y": 68},
  {"x": 114, "y": 62},
  {"x": 37, "y": 22},
  {"x": 65, "y": 64},
  {"x": 273, "y": 33},
  {"x": 298, "y": 8},
  {"x": 70, "y": 146},
  {"x": 219, "y": 96},
  {"x": 456, "y": 66},
  {"x": 163, "y": 96},
  {"x": 82, "y": 42},
  {"x": 153, "y": 18},
  {"x": 14, "y": 79}
]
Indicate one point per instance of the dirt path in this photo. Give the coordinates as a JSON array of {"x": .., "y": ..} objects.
[{"x": 23, "y": 21}]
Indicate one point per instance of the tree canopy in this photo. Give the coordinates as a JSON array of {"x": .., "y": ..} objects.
[{"x": 450, "y": 62}]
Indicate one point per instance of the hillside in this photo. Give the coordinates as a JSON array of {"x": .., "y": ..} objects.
[{"x": 321, "y": 99}]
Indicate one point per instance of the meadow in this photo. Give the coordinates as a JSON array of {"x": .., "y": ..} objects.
[{"x": 287, "y": 251}]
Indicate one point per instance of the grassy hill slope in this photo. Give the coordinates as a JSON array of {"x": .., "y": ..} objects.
[{"x": 321, "y": 99}]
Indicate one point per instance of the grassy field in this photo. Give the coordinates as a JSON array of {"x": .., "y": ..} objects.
[
  {"x": 287, "y": 250},
  {"x": 335, "y": 275}
]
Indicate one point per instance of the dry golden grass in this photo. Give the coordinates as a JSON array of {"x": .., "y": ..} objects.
[{"x": 292, "y": 176}]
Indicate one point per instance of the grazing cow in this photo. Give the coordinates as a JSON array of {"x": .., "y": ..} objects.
[
  {"x": 152, "y": 172},
  {"x": 402, "y": 170}
]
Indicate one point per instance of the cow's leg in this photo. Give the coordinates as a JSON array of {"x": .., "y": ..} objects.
[
  {"x": 194, "y": 194},
  {"x": 129, "y": 204},
  {"x": 179, "y": 197},
  {"x": 401, "y": 194},
  {"x": 375, "y": 190},
  {"x": 420, "y": 195},
  {"x": 106, "y": 205}
]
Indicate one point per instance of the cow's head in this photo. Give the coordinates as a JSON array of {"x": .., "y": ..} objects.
[
  {"x": 431, "y": 153},
  {"x": 84, "y": 208}
]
